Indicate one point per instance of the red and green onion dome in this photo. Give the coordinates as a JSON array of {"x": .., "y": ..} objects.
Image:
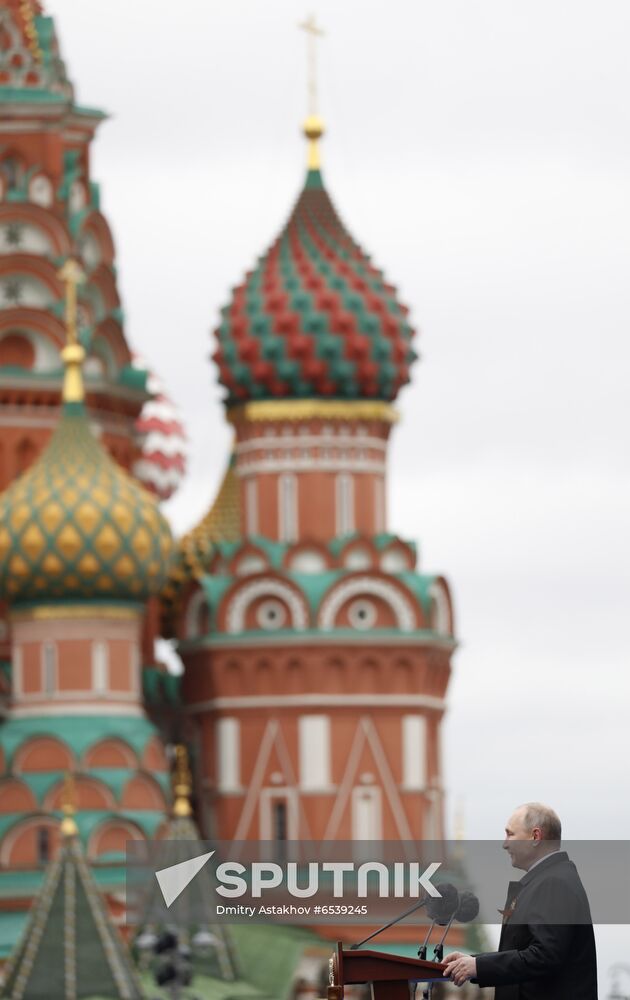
[
  {"x": 315, "y": 318},
  {"x": 76, "y": 525},
  {"x": 161, "y": 464}
]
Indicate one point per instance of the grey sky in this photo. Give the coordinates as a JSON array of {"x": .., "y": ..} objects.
[{"x": 480, "y": 150}]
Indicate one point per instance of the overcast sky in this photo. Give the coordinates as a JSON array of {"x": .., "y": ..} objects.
[{"x": 480, "y": 150}]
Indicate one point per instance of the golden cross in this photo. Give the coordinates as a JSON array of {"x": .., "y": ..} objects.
[
  {"x": 313, "y": 32},
  {"x": 71, "y": 275}
]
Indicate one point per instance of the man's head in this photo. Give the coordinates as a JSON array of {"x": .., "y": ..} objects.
[{"x": 532, "y": 831}]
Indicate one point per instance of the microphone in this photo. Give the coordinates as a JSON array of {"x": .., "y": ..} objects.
[
  {"x": 441, "y": 909},
  {"x": 466, "y": 911},
  {"x": 468, "y": 907}
]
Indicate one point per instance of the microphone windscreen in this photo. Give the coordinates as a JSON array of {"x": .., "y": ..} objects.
[
  {"x": 442, "y": 907},
  {"x": 468, "y": 907}
]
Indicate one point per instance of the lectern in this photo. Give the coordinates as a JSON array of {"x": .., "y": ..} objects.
[{"x": 389, "y": 975}]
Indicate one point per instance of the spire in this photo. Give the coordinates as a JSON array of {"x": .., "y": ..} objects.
[
  {"x": 313, "y": 125},
  {"x": 211, "y": 942},
  {"x": 73, "y": 353},
  {"x": 70, "y": 947},
  {"x": 28, "y": 11},
  {"x": 182, "y": 783},
  {"x": 29, "y": 53}
]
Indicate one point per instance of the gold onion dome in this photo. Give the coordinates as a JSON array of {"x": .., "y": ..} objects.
[{"x": 76, "y": 525}]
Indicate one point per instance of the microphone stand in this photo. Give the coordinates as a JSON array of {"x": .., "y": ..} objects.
[
  {"x": 438, "y": 951},
  {"x": 422, "y": 953},
  {"x": 422, "y": 950},
  {"x": 391, "y": 923}
]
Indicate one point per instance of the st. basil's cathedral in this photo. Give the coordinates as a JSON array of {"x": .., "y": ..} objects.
[{"x": 316, "y": 653}]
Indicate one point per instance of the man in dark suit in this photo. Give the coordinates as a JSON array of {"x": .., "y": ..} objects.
[{"x": 547, "y": 946}]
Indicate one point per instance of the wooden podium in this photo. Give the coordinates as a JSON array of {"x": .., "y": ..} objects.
[{"x": 389, "y": 975}]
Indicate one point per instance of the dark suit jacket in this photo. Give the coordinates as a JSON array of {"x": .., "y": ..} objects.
[{"x": 547, "y": 946}]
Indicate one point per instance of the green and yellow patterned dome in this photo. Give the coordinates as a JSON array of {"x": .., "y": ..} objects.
[{"x": 75, "y": 525}]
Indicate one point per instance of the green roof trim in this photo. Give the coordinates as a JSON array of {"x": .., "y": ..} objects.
[
  {"x": 374, "y": 636},
  {"x": 215, "y": 587},
  {"x": 39, "y": 782},
  {"x": 380, "y": 541},
  {"x": 133, "y": 378},
  {"x": 385, "y": 538},
  {"x": 275, "y": 551},
  {"x": 419, "y": 585},
  {"x": 31, "y": 95},
  {"x": 314, "y": 586},
  {"x": 79, "y": 733},
  {"x": 114, "y": 778},
  {"x": 13, "y": 371},
  {"x": 88, "y": 820},
  {"x": 82, "y": 109}
]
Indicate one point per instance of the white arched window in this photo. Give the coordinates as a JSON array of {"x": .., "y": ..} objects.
[
  {"x": 228, "y": 752},
  {"x": 414, "y": 752},
  {"x": 367, "y": 822},
  {"x": 251, "y": 506},
  {"x": 379, "y": 505},
  {"x": 100, "y": 667},
  {"x": 344, "y": 486},
  {"x": 314, "y": 747},
  {"x": 288, "y": 508},
  {"x": 49, "y": 668},
  {"x": 16, "y": 671}
]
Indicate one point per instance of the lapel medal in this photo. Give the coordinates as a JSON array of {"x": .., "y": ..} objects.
[{"x": 508, "y": 911}]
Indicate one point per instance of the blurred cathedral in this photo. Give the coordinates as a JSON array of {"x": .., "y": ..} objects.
[{"x": 316, "y": 653}]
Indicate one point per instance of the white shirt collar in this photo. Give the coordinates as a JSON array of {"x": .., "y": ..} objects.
[{"x": 544, "y": 858}]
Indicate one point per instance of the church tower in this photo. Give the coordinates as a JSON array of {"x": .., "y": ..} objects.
[
  {"x": 317, "y": 654},
  {"x": 49, "y": 210},
  {"x": 83, "y": 547}
]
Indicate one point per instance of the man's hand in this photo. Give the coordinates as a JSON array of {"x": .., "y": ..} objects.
[{"x": 459, "y": 967}]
